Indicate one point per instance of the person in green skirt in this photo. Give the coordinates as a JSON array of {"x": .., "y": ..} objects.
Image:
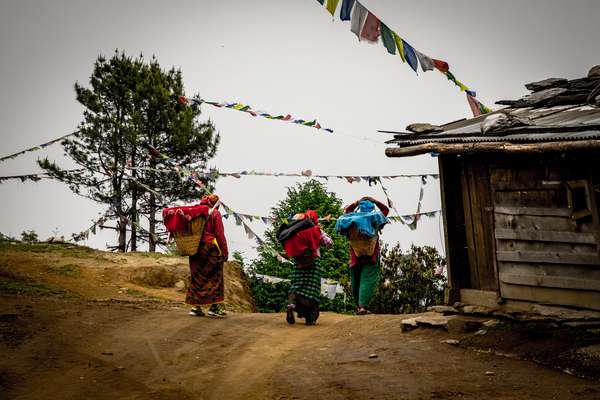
[
  {"x": 364, "y": 271},
  {"x": 305, "y": 287}
]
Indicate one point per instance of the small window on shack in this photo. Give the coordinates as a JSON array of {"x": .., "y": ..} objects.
[{"x": 578, "y": 197}]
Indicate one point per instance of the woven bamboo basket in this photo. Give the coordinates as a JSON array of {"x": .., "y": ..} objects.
[
  {"x": 361, "y": 244},
  {"x": 188, "y": 242}
]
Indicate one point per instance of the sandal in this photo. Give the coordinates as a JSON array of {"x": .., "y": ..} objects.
[{"x": 363, "y": 311}]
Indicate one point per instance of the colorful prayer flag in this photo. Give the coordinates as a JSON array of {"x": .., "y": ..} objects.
[
  {"x": 346, "y": 9},
  {"x": 425, "y": 61},
  {"x": 371, "y": 29},
  {"x": 450, "y": 76},
  {"x": 387, "y": 38},
  {"x": 441, "y": 66},
  {"x": 399, "y": 46},
  {"x": 411, "y": 57},
  {"x": 359, "y": 15},
  {"x": 331, "y": 6},
  {"x": 473, "y": 105},
  {"x": 462, "y": 86}
]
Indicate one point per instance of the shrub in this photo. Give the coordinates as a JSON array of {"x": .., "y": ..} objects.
[
  {"x": 411, "y": 281},
  {"x": 29, "y": 236}
]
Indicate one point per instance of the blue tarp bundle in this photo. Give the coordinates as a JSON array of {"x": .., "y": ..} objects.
[{"x": 367, "y": 220}]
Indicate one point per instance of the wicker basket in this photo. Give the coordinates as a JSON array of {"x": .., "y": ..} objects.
[
  {"x": 188, "y": 242},
  {"x": 361, "y": 244}
]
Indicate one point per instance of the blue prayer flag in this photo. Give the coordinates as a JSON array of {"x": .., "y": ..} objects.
[
  {"x": 346, "y": 9},
  {"x": 411, "y": 57}
]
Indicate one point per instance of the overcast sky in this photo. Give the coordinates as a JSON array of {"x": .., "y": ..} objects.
[{"x": 283, "y": 57}]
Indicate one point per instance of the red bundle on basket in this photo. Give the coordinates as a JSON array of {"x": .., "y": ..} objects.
[{"x": 186, "y": 225}]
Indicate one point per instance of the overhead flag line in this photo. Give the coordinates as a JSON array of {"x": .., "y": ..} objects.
[
  {"x": 38, "y": 147},
  {"x": 186, "y": 172},
  {"x": 368, "y": 27},
  {"x": 406, "y": 219},
  {"x": 255, "y": 113}
]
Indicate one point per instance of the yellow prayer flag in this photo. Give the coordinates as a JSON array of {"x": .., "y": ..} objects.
[
  {"x": 331, "y": 6},
  {"x": 400, "y": 46},
  {"x": 462, "y": 86}
]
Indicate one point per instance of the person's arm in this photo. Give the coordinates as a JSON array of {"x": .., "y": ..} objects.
[
  {"x": 382, "y": 207},
  {"x": 326, "y": 240},
  {"x": 220, "y": 233},
  {"x": 351, "y": 207}
]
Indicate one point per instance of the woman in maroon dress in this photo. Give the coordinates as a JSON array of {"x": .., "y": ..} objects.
[{"x": 206, "y": 267}]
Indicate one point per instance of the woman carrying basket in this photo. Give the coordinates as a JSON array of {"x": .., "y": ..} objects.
[
  {"x": 364, "y": 269},
  {"x": 206, "y": 266},
  {"x": 305, "y": 288}
]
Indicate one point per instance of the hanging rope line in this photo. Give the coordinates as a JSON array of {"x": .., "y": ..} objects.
[
  {"x": 185, "y": 172},
  {"x": 369, "y": 28},
  {"x": 188, "y": 101},
  {"x": 38, "y": 147}
]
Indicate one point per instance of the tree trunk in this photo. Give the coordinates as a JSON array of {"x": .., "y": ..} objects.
[
  {"x": 134, "y": 220},
  {"x": 152, "y": 223},
  {"x": 122, "y": 225},
  {"x": 117, "y": 182},
  {"x": 134, "y": 198}
]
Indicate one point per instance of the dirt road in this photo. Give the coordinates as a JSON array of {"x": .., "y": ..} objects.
[{"x": 55, "y": 348}]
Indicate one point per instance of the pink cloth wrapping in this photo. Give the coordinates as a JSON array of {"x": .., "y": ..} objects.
[{"x": 176, "y": 218}]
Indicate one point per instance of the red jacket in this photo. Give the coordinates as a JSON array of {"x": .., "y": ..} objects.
[
  {"x": 214, "y": 230},
  {"x": 373, "y": 260},
  {"x": 308, "y": 239}
]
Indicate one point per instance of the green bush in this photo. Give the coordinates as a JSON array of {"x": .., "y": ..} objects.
[
  {"x": 29, "y": 236},
  {"x": 273, "y": 297},
  {"x": 411, "y": 281},
  {"x": 309, "y": 195},
  {"x": 269, "y": 297}
]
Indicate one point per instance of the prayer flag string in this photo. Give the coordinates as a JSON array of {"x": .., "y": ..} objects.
[
  {"x": 368, "y": 27},
  {"x": 38, "y": 147},
  {"x": 186, "y": 101}
]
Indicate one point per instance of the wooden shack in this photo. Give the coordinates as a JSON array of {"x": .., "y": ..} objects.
[{"x": 521, "y": 197}]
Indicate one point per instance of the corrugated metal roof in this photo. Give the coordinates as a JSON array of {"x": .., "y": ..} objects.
[{"x": 558, "y": 123}]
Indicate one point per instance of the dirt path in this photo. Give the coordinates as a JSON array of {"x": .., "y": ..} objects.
[{"x": 75, "y": 349}]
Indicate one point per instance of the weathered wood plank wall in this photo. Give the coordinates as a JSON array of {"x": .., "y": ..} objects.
[
  {"x": 477, "y": 201},
  {"x": 544, "y": 253}
]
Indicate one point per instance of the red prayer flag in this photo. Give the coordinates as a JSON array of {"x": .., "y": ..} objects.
[
  {"x": 442, "y": 66},
  {"x": 371, "y": 29}
]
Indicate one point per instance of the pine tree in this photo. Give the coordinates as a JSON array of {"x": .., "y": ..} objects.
[
  {"x": 173, "y": 130},
  {"x": 129, "y": 107}
]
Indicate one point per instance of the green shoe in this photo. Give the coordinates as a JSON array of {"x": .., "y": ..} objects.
[{"x": 216, "y": 311}]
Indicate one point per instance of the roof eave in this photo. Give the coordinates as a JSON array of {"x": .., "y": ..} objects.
[{"x": 492, "y": 147}]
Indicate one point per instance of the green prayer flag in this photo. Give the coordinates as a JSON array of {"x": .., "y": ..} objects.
[
  {"x": 387, "y": 37},
  {"x": 331, "y": 6},
  {"x": 451, "y": 76}
]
